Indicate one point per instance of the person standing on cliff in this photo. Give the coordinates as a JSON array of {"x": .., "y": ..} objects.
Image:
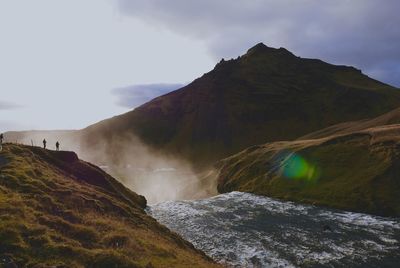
[
  {"x": 44, "y": 143},
  {"x": 57, "y": 146},
  {"x": 1, "y": 141}
]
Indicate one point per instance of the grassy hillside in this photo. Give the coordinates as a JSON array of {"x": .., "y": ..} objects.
[
  {"x": 390, "y": 118},
  {"x": 359, "y": 171},
  {"x": 265, "y": 95},
  {"x": 59, "y": 211}
]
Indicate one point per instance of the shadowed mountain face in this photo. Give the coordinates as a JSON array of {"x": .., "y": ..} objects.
[
  {"x": 265, "y": 95},
  {"x": 59, "y": 211}
]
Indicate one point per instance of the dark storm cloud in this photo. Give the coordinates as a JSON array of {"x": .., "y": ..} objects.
[
  {"x": 133, "y": 96},
  {"x": 363, "y": 33},
  {"x": 4, "y": 105}
]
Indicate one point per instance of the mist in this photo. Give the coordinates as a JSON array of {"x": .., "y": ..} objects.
[{"x": 155, "y": 175}]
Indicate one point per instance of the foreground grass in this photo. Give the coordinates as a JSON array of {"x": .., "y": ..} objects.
[{"x": 58, "y": 211}]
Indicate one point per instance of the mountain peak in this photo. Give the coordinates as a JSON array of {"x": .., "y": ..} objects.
[
  {"x": 258, "y": 50},
  {"x": 261, "y": 48},
  {"x": 266, "y": 95}
]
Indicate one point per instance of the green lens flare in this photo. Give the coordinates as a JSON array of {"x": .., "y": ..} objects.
[{"x": 297, "y": 168}]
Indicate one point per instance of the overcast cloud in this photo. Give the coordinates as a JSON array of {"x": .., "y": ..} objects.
[
  {"x": 363, "y": 33},
  {"x": 133, "y": 96},
  {"x": 60, "y": 61},
  {"x": 5, "y": 105},
  {"x": 56, "y": 61}
]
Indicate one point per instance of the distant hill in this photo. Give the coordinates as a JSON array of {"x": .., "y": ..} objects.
[
  {"x": 59, "y": 211},
  {"x": 390, "y": 118},
  {"x": 357, "y": 171},
  {"x": 265, "y": 95}
]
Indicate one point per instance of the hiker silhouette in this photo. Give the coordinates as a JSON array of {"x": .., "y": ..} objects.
[
  {"x": 57, "y": 146},
  {"x": 44, "y": 144},
  {"x": 1, "y": 141}
]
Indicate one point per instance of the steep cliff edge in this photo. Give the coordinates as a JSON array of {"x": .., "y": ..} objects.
[{"x": 59, "y": 211}]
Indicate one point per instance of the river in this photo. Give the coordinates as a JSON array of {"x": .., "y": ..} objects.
[{"x": 246, "y": 230}]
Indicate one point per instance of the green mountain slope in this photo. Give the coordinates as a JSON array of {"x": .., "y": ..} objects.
[
  {"x": 390, "y": 118},
  {"x": 59, "y": 211},
  {"x": 358, "y": 171},
  {"x": 265, "y": 95}
]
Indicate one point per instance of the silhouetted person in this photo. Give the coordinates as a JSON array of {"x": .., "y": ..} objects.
[
  {"x": 44, "y": 144},
  {"x": 1, "y": 141},
  {"x": 57, "y": 146}
]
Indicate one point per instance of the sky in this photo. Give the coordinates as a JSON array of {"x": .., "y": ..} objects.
[{"x": 66, "y": 64}]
